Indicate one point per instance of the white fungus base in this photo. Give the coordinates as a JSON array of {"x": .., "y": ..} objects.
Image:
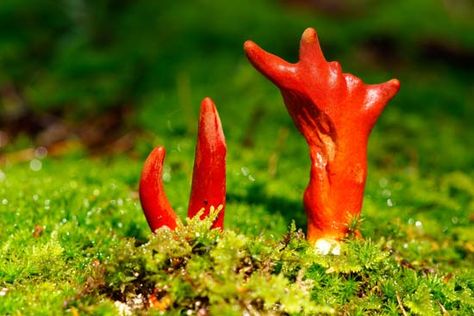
[{"x": 325, "y": 246}]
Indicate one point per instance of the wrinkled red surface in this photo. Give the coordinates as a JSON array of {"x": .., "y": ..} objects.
[
  {"x": 209, "y": 175},
  {"x": 157, "y": 209},
  {"x": 335, "y": 112}
]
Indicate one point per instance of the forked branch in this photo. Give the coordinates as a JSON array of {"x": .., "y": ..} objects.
[{"x": 335, "y": 113}]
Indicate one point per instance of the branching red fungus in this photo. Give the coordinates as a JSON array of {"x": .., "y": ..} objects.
[
  {"x": 335, "y": 112},
  {"x": 209, "y": 178}
]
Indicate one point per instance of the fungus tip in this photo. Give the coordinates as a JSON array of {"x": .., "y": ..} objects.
[
  {"x": 207, "y": 101},
  {"x": 249, "y": 46},
  {"x": 309, "y": 35},
  {"x": 310, "y": 50},
  {"x": 391, "y": 87}
]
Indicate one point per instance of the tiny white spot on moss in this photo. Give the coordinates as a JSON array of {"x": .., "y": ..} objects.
[
  {"x": 123, "y": 309},
  {"x": 325, "y": 246}
]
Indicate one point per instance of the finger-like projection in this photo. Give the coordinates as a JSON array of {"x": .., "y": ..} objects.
[{"x": 209, "y": 175}]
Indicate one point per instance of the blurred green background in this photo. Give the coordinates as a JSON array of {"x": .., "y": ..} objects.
[
  {"x": 116, "y": 78},
  {"x": 101, "y": 72}
]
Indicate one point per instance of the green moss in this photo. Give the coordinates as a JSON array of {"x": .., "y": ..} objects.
[
  {"x": 194, "y": 269},
  {"x": 77, "y": 241}
]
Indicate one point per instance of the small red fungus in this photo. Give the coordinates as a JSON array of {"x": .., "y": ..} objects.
[
  {"x": 155, "y": 204},
  {"x": 335, "y": 112},
  {"x": 209, "y": 176}
]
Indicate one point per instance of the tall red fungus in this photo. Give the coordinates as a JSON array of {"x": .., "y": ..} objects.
[
  {"x": 335, "y": 112},
  {"x": 209, "y": 176}
]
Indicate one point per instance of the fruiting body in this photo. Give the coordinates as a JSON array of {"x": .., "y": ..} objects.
[
  {"x": 335, "y": 112},
  {"x": 209, "y": 176},
  {"x": 155, "y": 204}
]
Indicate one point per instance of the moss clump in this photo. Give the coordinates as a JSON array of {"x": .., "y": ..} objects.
[
  {"x": 77, "y": 241},
  {"x": 198, "y": 271}
]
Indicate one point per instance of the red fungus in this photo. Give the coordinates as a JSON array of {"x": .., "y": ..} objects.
[
  {"x": 157, "y": 209},
  {"x": 209, "y": 175},
  {"x": 335, "y": 112},
  {"x": 208, "y": 188}
]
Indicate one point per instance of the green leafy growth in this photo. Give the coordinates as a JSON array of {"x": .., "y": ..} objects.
[{"x": 198, "y": 270}]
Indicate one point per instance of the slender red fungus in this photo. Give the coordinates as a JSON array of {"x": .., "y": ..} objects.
[
  {"x": 335, "y": 112},
  {"x": 157, "y": 209},
  {"x": 209, "y": 175}
]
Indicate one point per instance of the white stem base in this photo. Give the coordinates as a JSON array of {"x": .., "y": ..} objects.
[{"x": 325, "y": 246}]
